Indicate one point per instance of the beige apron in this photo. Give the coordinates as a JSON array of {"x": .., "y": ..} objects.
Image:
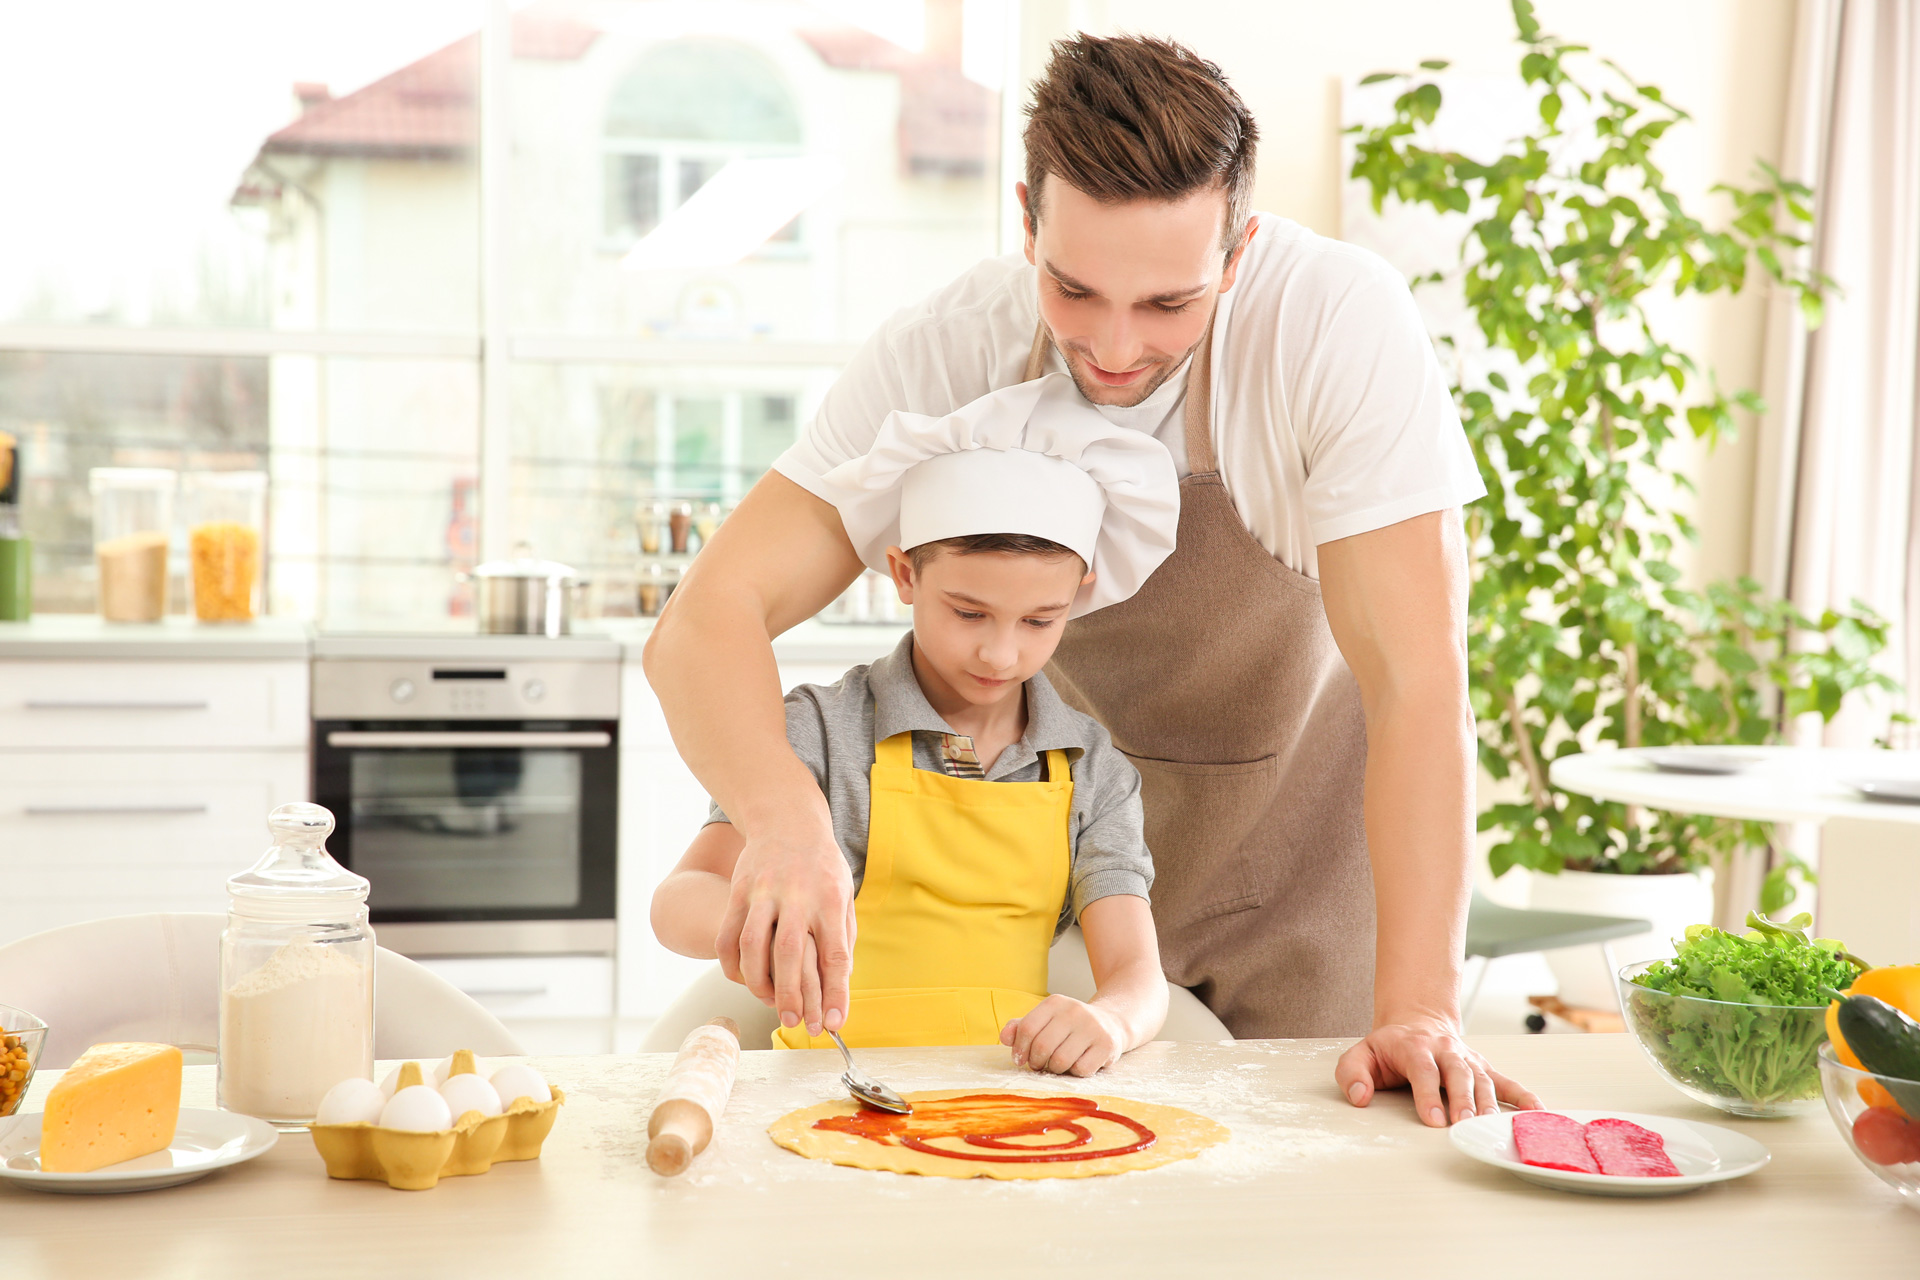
[{"x": 1221, "y": 682}]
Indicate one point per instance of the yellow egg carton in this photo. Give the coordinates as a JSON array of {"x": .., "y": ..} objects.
[{"x": 410, "y": 1161}]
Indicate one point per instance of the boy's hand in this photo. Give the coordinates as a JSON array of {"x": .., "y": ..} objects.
[{"x": 1066, "y": 1037}]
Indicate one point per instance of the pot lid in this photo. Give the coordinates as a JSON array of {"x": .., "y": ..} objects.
[{"x": 525, "y": 565}]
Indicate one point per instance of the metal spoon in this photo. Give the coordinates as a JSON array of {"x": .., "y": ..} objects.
[{"x": 866, "y": 1089}]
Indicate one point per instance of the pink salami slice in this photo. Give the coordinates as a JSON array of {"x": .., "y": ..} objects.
[
  {"x": 1548, "y": 1140},
  {"x": 1626, "y": 1150}
]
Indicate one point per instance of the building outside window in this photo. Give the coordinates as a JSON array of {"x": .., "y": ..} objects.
[{"x": 443, "y": 332}]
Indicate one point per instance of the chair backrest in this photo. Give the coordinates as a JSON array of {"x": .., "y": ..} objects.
[{"x": 157, "y": 978}]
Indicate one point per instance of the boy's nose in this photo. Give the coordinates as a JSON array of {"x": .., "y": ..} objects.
[{"x": 1001, "y": 651}]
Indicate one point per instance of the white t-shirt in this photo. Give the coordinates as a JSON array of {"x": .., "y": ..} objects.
[{"x": 1330, "y": 413}]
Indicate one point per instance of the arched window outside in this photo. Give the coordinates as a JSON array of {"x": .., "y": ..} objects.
[{"x": 678, "y": 115}]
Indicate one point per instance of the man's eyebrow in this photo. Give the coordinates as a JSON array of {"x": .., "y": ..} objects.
[
  {"x": 1171, "y": 295},
  {"x": 964, "y": 598}
]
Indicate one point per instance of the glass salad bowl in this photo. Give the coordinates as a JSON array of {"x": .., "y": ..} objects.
[
  {"x": 1744, "y": 1059},
  {"x": 1874, "y": 1122},
  {"x": 22, "y": 1036}
]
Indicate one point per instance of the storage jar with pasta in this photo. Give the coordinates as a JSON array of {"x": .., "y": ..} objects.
[
  {"x": 132, "y": 522},
  {"x": 225, "y": 517}
]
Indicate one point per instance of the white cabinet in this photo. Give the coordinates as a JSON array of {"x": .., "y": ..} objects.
[
  {"x": 525, "y": 987},
  {"x": 136, "y": 786}
]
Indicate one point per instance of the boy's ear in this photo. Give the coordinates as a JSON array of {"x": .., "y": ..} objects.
[
  {"x": 1088, "y": 580},
  {"x": 900, "y": 567}
]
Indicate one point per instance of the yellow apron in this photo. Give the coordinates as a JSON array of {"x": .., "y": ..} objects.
[{"x": 964, "y": 883}]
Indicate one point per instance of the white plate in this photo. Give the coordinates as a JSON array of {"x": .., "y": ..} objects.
[
  {"x": 1714, "y": 761},
  {"x": 1890, "y": 790},
  {"x": 1702, "y": 1152},
  {"x": 202, "y": 1142}
]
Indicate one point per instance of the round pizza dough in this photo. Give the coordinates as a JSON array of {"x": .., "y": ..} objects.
[{"x": 1178, "y": 1135}]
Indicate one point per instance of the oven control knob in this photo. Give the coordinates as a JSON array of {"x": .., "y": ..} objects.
[
  {"x": 534, "y": 689},
  {"x": 401, "y": 690}
]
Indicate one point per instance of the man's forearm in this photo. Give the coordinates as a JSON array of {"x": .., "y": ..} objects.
[{"x": 1419, "y": 819}]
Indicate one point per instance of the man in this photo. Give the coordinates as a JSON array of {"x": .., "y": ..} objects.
[{"x": 1291, "y": 683}]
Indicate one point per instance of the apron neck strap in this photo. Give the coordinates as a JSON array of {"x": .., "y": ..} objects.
[{"x": 895, "y": 752}]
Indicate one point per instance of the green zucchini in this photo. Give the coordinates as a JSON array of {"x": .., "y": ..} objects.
[{"x": 1887, "y": 1042}]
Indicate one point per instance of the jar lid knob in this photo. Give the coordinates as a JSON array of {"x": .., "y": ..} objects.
[{"x": 301, "y": 821}]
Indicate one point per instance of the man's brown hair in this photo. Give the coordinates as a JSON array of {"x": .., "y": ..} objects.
[{"x": 1138, "y": 118}]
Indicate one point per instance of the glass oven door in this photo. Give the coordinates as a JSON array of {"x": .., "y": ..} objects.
[{"x": 474, "y": 821}]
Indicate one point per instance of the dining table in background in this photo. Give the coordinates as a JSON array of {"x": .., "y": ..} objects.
[
  {"x": 1869, "y": 865},
  {"x": 1307, "y": 1186}
]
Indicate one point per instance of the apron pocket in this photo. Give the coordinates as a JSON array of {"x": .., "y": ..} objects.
[{"x": 1199, "y": 820}]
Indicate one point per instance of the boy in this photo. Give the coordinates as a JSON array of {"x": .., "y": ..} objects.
[{"x": 980, "y": 814}]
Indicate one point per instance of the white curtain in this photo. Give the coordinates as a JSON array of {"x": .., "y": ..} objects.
[{"x": 1839, "y": 471}]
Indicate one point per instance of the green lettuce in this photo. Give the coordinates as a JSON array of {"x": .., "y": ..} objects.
[{"x": 1758, "y": 1043}]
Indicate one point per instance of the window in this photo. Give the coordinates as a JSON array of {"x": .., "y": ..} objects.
[{"x": 443, "y": 331}]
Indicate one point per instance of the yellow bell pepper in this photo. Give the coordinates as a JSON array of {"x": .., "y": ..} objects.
[{"x": 1899, "y": 986}]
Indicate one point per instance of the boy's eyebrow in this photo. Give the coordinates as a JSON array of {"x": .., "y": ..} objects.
[
  {"x": 1171, "y": 295},
  {"x": 964, "y": 598}
]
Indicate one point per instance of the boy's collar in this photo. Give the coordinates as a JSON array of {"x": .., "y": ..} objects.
[{"x": 900, "y": 706}]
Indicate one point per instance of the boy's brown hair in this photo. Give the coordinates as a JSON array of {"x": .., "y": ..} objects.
[
  {"x": 1139, "y": 118},
  {"x": 973, "y": 544}
]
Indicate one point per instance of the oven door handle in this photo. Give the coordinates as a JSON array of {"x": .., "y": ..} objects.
[{"x": 474, "y": 738}]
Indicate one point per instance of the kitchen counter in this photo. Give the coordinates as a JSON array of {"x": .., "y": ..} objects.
[
  {"x": 88, "y": 636},
  {"x": 1307, "y": 1186}
]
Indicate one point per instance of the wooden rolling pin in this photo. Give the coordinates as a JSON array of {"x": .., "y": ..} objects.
[{"x": 690, "y": 1102}]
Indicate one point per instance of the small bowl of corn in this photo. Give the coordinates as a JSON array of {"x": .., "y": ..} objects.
[{"x": 21, "y": 1038}]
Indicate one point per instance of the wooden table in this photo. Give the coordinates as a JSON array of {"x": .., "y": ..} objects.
[
  {"x": 1869, "y": 892},
  {"x": 1309, "y": 1186}
]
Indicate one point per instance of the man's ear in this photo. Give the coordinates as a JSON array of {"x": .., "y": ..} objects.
[
  {"x": 900, "y": 568},
  {"x": 1232, "y": 268},
  {"x": 1026, "y": 216}
]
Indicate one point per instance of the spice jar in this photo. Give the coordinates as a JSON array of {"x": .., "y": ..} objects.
[
  {"x": 296, "y": 974},
  {"x": 657, "y": 582},
  {"x": 679, "y": 525},
  {"x": 652, "y": 520},
  {"x": 705, "y": 521},
  {"x": 132, "y": 523},
  {"x": 225, "y": 514}
]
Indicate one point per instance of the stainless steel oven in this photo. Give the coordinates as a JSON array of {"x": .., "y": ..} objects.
[{"x": 475, "y": 784}]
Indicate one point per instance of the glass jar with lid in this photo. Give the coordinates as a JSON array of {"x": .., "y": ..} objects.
[
  {"x": 296, "y": 974},
  {"x": 225, "y": 518}
]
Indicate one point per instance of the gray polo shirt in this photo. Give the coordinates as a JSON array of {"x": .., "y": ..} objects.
[{"x": 833, "y": 730}]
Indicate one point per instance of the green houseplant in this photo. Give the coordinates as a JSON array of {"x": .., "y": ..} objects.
[{"x": 1580, "y": 633}]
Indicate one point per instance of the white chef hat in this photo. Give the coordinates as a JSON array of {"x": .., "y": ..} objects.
[{"x": 1034, "y": 458}]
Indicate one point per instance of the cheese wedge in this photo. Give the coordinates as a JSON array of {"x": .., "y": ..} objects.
[{"x": 117, "y": 1102}]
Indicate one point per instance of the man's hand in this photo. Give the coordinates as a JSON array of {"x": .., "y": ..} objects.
[
  {"x": 788, "y": 932},
  {"x": 1429, "y": 1055},
  {"x": 779, "y": 558},
  {"x": 1066, "y": 1037}
]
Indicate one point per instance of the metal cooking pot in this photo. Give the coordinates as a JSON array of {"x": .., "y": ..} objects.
[{"x": 524, "y": 596}]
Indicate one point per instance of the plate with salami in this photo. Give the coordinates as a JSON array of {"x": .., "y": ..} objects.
[{"x": 1609, "y": 1153}]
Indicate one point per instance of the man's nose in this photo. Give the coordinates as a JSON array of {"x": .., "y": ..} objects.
[{"x": 1115, "y": 345}]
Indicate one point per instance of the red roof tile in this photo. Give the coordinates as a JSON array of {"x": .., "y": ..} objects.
[
  {"x": 426, "y": 108},
  {"x": 947, "y": 122}
]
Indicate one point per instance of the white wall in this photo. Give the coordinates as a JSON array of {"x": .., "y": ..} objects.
[{"x": 1725, "y": 61}]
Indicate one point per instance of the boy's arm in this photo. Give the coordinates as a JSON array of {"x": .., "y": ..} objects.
[
  {"x": 1064, "y": 1036},
  {"x": 1125, "y": 954},
  {"x": 692, "y": 901}
]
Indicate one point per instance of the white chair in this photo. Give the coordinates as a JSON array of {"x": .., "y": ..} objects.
[
  {"x": 1069, "y": 972},
  {"x": 157, "y": 978}
]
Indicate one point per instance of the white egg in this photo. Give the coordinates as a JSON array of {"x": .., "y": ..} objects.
[
  {"x": 392, "y": 1081},
  {"x": 352, "y": 1101},
  {"x": 520, "y": 1081},
  {"x": 417, "y": 1109},
  {"x": 470, "y": 1093}
]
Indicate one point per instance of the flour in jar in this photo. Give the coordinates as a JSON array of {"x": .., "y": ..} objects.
[{"x": 292, "y": 1029}]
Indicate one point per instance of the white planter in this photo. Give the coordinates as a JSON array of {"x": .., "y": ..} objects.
[{"x": 1670, "y": 902}]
